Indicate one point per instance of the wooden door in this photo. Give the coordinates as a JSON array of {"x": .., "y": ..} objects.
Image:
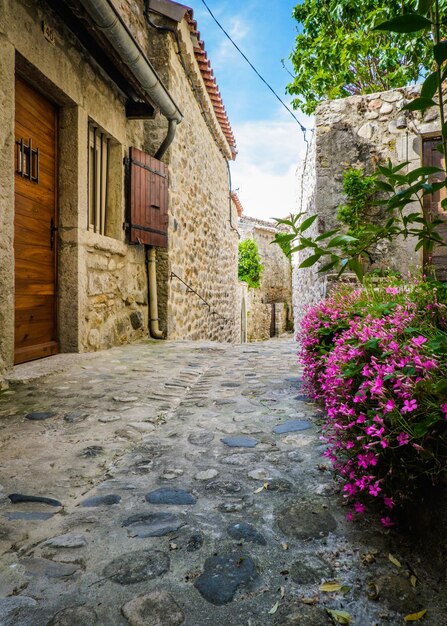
[
  {"x": 437, "y": 260},
  {"x": 34, "y": 225}
]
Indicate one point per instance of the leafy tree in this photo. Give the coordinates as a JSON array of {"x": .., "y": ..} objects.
[
  {"x": 249, "y": 268},
  {"x": 338, "y": 54}
]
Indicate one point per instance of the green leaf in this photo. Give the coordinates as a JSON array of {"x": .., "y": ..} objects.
[
  {"x": 307, "y": 223},
  {"x": 430, "y": 85},
  {"x": 423, "y": 171},
  {"x": 424, "y": 6},
  {"x": 310, "y": 260},
  {"x": 372, "y": 344},
  {"x": 274, "y": 608},
  {"x": 419, "y": 104},
  {"x": 328, "y": 266},
  {"x": 407, "y": 23},
  {"x": 340, "y": 240},
  {"x": 328, "y": 234},
  {"x": 415, "y": 617},
  {"x": 441, "y": 387},
  {"x": 357, "y": 268},
  {"x": 440, "y": 52},
  {"x": 341, "y": 617},
  {"x": 384, "y": 186}
]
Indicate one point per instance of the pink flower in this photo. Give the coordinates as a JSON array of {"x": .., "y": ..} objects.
[
  {"x": 444, "y": 410},
  {"x": 359, "y": 507},
  {"x": 388, "y": 502},
  {"x": 386, "y": 522},
  {"x": 374, "y": 489},
  {"x": 418, "y": 341},
  {"x": 389, "y": 406},
  {"x": 392, "y": 290},
  {"x": 349, "y": 516},
  {"x": 403, "y": 439},
  {"x": 409, "y": 406}
]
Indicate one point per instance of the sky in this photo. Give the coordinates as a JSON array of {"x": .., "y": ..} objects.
[{"x": 269, "y": 141}]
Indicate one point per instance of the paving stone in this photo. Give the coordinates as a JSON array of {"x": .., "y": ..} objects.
[
  {"x": 195, "y": 542},
  {"x": 91, "y": 451},
  {"x": 29, "y": 516},
  {"x": 228, "y": 429},
  {"x": 69, "y": 540},
  {"x": 206, "y": 474},
  {"x": 279, "y": 484},
  {"x": 106, "y": 419},
  {"x": 243, "y": 459},
  {"x": 200, "y": 439},
  {"x": 166, "y": 495},
  {"x": 142, "y": 427},
  {"x": 224, "y": 402},
  {"x": 222, "y": 487},
  {"x": 152, "y": 524},
  {"x": 243, "y": 530},
  {"x": 295, "y": 614},
  {"x": 301, "y": 398},
  {"x": 48, "y": 568},
  {"x": 75, "y": 616},
  {"x": 171, "y": 474},
  {"x": 305, "y": 520},
  {"x": 125, "y": 398},
  {"x": 224, "y": 575},
  {"x": 259, "y": 474},
  {"x": 240, "y": 442},
  {"x": 231, "y": 507},
  {"x": 157, "y": 608},
  {"x": 310, "y": 570},
  {"x": 20, "y": 497},
  {"x": 38, "y": 416},
  {"x": 291, "y": 427},
  {"x": 397, "y": 594},
  {"x": 10, "y": 607},
  {"x": 75, "y": 416},
  {"x": 107, "y": 500},
  {"x": 136, "y": 567}
]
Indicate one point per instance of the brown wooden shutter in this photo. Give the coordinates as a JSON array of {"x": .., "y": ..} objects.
[
  {"x": 433, "y": 208},
  {"x": 148, "y": 201}
]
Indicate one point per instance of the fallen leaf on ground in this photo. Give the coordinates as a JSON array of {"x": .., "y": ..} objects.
[
  {"x": 413, "y": 580},
  {"x": 415, "y": 617},
  {"x": 331, "y": 587},
  {"x": 340, "y": 616},
  {"x": 282, "y": 592},
  {"x": 259, "y": 490},
  {"x": 310, "y": 601},
  {"x": 274, "y": 608},
  {"x": 368, "y": 558},
  {"x": 394, "y": 561},
  {"x": 285, "y": 546}
]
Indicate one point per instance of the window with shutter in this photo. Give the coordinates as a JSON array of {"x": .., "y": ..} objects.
[{"x": 148, "y": 200}]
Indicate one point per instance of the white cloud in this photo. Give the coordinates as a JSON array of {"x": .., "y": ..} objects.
[
  {"x": 238, "y": 30},
  {"x": 264, "y": 170}
]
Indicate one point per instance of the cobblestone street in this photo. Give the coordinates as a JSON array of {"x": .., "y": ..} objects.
[{"x": 187, "y": 487}]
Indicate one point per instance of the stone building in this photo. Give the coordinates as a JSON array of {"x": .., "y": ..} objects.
[
  {"x": 268, "y": 309},
  {"x": 361, "y": 132},
  {"x": 114, "y": 149}
]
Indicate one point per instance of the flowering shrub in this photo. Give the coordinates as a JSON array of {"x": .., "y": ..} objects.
[{"x": 376, "y": 359}]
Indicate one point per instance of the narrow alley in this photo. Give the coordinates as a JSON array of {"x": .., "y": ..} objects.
[{"x": 187, "y": 486}]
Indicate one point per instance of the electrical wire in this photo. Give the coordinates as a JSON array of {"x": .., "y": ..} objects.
[{"x": 303, "y": 128}]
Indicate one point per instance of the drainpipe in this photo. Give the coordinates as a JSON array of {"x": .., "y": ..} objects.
[
  {"x": 109, "y": 21},
  {"x": 155, "y": 332}
]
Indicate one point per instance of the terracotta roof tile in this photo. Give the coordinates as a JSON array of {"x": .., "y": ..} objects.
[
  {"x": 210, "y": 84},
  {"x": 237, "y": 203}
]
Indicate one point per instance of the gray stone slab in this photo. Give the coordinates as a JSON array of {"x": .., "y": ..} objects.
[
  {"x": 243, "y": 530},
  {"x": 157, "y": 608},
  {"x": 152, "y": 524},
  {"x": 29, "y": 516},
  {"x": 75, "y": 616},
  {"x": 48, "y": 568},
  {"x": 107, "y": 500},
  {"x": 224, "y": 575},
  {"x": 38, "y": 416},
  {"x": 303, "y": 520},
  {"x": 69, "y": 540},
  {"x": 165, "y": 495},
  {"x": 240, "y": 442},
  {"x": 200, "y": 439},
  {"x": 137, "y": 567},
  {"x": 291, "y": 427}
]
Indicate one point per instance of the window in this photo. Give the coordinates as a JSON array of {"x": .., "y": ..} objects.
[{"x": 98, "y": 179}]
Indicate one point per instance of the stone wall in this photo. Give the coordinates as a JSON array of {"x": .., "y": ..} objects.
[
  {"x": 102, "y": 285},
  {"x": 357, "y": 132},
  {"x": 275, "y": 288}
]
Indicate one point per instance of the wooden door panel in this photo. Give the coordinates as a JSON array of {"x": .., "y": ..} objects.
[
  {"x": 35, "y": 211},
  {"x": 433, "y": 208}
]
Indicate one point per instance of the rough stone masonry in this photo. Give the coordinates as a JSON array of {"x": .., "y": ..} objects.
[{"x": 184, "y": 484}]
